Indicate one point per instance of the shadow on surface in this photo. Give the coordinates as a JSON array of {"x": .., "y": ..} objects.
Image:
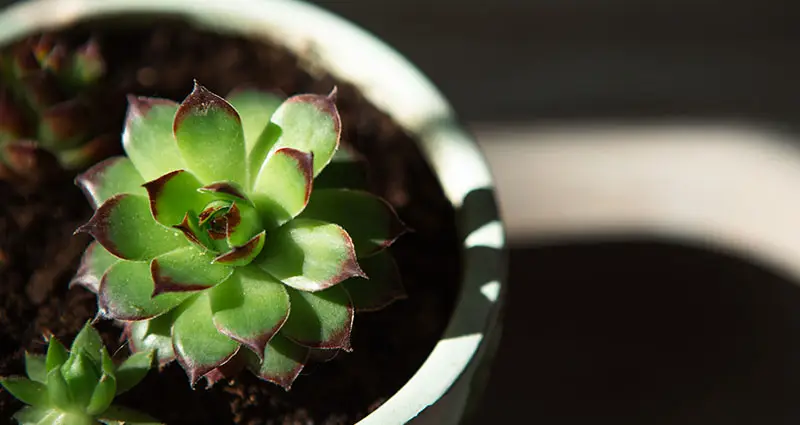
[{"x": 644, "y": 333}]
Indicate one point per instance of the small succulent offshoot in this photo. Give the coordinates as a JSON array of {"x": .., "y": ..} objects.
[
  {"x": 76, "y": 387},
  {"x": 210, "y": 241},
  {"x": 45, "y": 121}
]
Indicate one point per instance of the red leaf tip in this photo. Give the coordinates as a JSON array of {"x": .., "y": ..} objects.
[
  {"x": 200, "y": 101},
  {"x": 140, "y": 106}
]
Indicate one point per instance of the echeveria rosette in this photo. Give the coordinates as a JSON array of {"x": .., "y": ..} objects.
[
  {"x": 77, "y": 387},
  {"x": 45, "y": 116},
  {"x": 210, "y": 241}
]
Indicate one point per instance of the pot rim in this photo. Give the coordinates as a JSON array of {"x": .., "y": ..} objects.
[{"x": 397, "y": 88}]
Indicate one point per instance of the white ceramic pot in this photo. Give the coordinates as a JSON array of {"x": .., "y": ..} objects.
[{"x": 443, "y": 388}]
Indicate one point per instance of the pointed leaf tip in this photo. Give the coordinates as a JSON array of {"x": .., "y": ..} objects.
[
  {"x": 197, "y": 343},
  {"x": 324, "y": 104},
  {"x": 234, "y": 301},
  {"x": 148, "y": 139},
  {"x": 140, "y": 106},
  {"x": 94, "y": 263},
  {"x": 200, "y": 101},
  {"x": 333, "y": 94},
  {"x": 308, "y": 123},
  {"x": 88, "y": 341},
  {"x": 125, "y": 227},
  {"x": 126, "y": 293},
  {"x": 383, "y": 288},
  {"x": 371, "y": 222},
  {"x": 210, "y": 137},
  {"x": 110, "y": 177},
  {"x": 310, "y": 255},
  {"x": 322, "y": 319},
  {"x": 283, "y": 360}
]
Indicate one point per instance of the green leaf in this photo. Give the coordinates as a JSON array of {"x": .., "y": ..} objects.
[
  {"x": 88, "y": 153},
  {"x": 320, "y": 319},
  {"x": 12, "y": 119},
  {"x": 94, "y": 263},
  {"x": 148, "y": 139},
  {"x": 250, "y": 307},
  {"x": 133, "y": 370},
  {"x": 118, "y": 415},
  {"x": 173, "y": 194},
  {"x": 58, "y": 391},
  {"x": 243, "y": 223},
  {"x": 81, "y": 376},
  {"x": 25, "y": 390},
  {"x": 210, "y": 137},
  {"x": 369, "y": 220},
  {"x": 258, "y": 154},
  {"x": 283, "y": 186},
  {"x": 283, "y": 361},
  {"x": 309, "y": 255},
  {"x": 32, "y": 415},
  {"x": 199, "y": 346},
  {"x": 57, "y": 354},
  {"x": 102, "y": 396},
  {"x": 153, "y": 334},
  {"x": 89, "y": 341},
  {"x": 346, "y": 170},
  {"x": 35, "y": 367},
  {"x": 255, "y": 108},
  {"x": 108, "y": 178},
  {"x": 126, "y": 228},
  {"x": 190, "y": 227},
  {"x": 87, "y": 65},
  {"x": 381, "y": 289},
  {"x": 243, "y": 255},
  {"x": 106, "y": 364},
  {"x": 187, "y": 269},
  {"x": 126, "y": 293},
  {"x": 309, "y": 123},
  {"x": 63, "y": 125}
]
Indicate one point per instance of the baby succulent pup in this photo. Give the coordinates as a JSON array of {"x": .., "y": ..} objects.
[
  {"x": 45, "y": 115},
  {"x": 76, "y": 387},
  {"x": 213, "y": 245}
]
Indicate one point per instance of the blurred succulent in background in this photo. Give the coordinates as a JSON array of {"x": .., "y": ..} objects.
[
  {"x": 209, "y": 237},
  {"x": 77, "y": 387},
  {"x": 45, "y": 116}
]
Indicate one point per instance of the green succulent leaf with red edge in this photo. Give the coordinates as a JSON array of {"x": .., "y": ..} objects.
[
  {"x": 77, "y": 387},
  {"x": 46, "y": 91},
  {"x": 212, "y": 245}
]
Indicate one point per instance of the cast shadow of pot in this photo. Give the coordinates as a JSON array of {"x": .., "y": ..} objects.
[{"x": 644, "y": 332}]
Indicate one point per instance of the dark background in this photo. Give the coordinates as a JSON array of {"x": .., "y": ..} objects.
[{"x": 641, "y": 332}]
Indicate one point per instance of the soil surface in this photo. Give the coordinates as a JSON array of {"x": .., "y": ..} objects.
[{"x": 38, "y": 253}]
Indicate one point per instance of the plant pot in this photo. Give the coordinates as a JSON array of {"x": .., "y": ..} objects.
[{"x": 451, "y": 378}]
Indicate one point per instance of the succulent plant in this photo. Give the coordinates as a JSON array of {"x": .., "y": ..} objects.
[
  {"x": 210, "y": 235},
  {"x": 76, "y": 387},
  {"x": 45, "y": 116}
]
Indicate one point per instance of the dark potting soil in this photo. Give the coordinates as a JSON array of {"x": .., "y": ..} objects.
[{"x": 38, "y": 253}]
